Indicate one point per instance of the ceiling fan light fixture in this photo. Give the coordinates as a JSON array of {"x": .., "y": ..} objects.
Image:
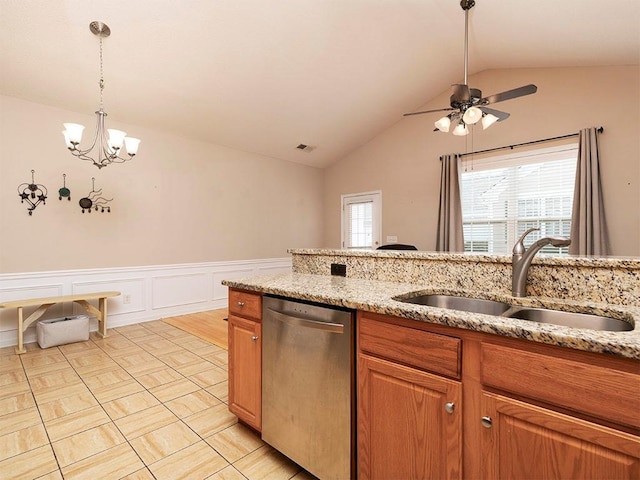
[
  {"x": 461, "y": 130},
  {"x": 472, "y": 115},
  {"x": 443, "y": 124},
  {"x": 488, "y": 120}
]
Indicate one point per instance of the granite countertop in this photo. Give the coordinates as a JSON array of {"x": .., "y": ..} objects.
[{"x": 378, "y": 297}]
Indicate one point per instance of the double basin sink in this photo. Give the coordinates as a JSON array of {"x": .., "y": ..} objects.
[{"x": 541, "y": 315}]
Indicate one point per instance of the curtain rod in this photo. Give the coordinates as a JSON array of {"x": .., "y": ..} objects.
[{"x": 599, "y": 129}]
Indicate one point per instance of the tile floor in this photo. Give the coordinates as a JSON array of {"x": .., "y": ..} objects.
[{"x": 147, "y": 402}]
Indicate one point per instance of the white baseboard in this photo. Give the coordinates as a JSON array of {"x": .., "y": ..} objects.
[{"x": 147, "y": 293}]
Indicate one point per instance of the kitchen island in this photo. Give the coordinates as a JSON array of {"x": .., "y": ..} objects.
[{"x": 495, "y": 389}]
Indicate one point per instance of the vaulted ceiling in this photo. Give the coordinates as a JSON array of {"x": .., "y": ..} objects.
[{"x": 264, "y": 77}]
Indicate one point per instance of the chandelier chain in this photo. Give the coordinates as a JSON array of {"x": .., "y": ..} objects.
[{"x": 101, "y": 75}]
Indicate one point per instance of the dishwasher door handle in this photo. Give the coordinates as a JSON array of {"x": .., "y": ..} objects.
[{"x": 302, "y": 321}]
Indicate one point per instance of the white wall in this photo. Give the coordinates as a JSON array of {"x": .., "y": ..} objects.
[
  {"x": 147, "y": 293},
  {"x": 403, "y": 160},
  {"x": 179, "y": 201}
]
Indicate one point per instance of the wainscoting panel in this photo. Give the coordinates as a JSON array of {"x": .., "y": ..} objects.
[{"x": 147, "y": 293}]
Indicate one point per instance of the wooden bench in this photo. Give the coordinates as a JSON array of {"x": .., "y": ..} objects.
[{"x": 44, "y": 303}]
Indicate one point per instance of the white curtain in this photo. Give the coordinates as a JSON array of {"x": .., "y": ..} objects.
[
  {"x": 450, "y": 237},
  {"x": 589, "y": 234}
]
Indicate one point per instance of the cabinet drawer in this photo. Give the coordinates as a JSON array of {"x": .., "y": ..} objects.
[
  {"x": 245, "y": 304},
  {"x": 576, "y": 385},
  {"x": 424, "y": 350}
]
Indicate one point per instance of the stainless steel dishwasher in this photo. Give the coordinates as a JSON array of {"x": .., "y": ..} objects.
[{"x": 308, "y": 401}]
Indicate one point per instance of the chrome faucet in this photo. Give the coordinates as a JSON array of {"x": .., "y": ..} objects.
[{"x": 521, "y": 259}]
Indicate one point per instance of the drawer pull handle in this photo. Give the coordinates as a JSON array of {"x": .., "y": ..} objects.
[
  {"x": 241, "y": 304},
  {"x": 486, "y": 422},
  {"x": 449, "y": 407},
  {"x": 254, "y": 338}
]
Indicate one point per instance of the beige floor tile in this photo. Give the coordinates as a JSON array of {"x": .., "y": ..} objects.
[
  {"x": 159, "y": 377},
  {"x": 235, "y": 442},
  {"x": 192, "y": 403},
  {"x": 130, "y": 404},
  {"x": 210, "y": 376},
  {"x": 54, "y": 380},
  {"x": 142, "y": 474},
  {"x": 145, "y": 421},
  {"x": 140, "y": 363},
  {"x": 174, "y": 334},
  {"x": 52, "y": 394},
  {"x": 19, "y": 401},
  {"x": 159, "y": 345},
  {"x": 92, "y": 363},
  {"x": 85, "y": 444},
  {"x": 47, "y": 368},
  {"x": 195, "y": 368},
  {"x": 195, "y": 343},
  {"x": 67, "y": 405},
  {"x": 117, "y": 462},
  {"x": 211, "y": 420},
  {"x": 31, "y": 464},
  {"x": 220, "y": 391},
  {"x": 266, "y": 464},
  {"x": 221, "y": 359},
  {"x": 163, "y": 442},
  {"x": 22, "y": 440},
  {"x": 110, "y": 377},
  {"x": 76, "y": 349},
  {"x": 108, "y": 393},
  {"x": 197, "y": 461},
  {"x": 228, "y": 473},
  {"x": 57, "y": 475},
  {"x": 76, "y": 422},
  {"x": 10, "y": 362},
  {"x": 12, "y": 376},
  {"x": 41, "y": 357},
  {"x": 180, "y": 359},
  {"x": 132, "y": 331},
  {"x": 20, "y": 419},
  {"x": 175, "y": 389}
]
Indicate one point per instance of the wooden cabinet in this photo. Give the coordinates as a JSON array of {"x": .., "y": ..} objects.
[
  {"x": 409, "y": 420},
  {"x": 245, "y": 357},
  {"x": 521, "y": 409},
  {"x": 528, "y": 442}
]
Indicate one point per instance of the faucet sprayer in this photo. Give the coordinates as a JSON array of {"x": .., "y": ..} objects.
[{"x": 522, "y": 257}]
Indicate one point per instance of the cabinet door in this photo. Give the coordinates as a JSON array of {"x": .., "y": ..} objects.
[
  {"x": 405, "y": 429},
  {"x": 245, "y": 370},
  {"x": 528, "y": 442}
]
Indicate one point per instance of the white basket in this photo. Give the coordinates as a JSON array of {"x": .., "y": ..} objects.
[{"x": 59, "y": 331}]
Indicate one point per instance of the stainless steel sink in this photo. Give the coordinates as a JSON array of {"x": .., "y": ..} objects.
[
  {"x": 570, "y": 319},
  {"x": 475, "y": 305}
]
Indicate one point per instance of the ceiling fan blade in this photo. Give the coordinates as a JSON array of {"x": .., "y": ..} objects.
[
  {"x": 428, "y": 111},
  {"x": 509, "y": 94},
  {"x": 460, "y": 93},
  {"x": 501, "y": 115}
]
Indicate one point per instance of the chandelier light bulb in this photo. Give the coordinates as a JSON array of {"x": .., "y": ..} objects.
[
  {"x": 131, "y": 144},
  {"x": 461, "y": 130},
  {"x": 472, "y": 115},
  {"x": 443, "y": 124},
  {"x": 73, "y": 132},
  {"x": 116, "y": 138},
  {"x": 488, "y": 120}
]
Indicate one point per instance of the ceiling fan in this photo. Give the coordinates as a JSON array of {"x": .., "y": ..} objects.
[{"x": 468, "y": 106}]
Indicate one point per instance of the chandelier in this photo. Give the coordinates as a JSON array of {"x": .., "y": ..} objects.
[{"x": 109, "y": 143}]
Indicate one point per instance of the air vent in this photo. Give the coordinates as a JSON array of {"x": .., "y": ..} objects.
[{"x": 305, "y": 148}]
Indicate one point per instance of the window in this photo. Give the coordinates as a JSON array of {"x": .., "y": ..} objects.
[
  {"x": 504, "y": 196},
  {"x": 361, "y": 220}
]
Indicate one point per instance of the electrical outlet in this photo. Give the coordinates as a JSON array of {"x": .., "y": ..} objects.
[
  {"x": 392, "y": 239},
  {"x": 339, "y": 269},
  {"x": 126, "y": 298}
]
